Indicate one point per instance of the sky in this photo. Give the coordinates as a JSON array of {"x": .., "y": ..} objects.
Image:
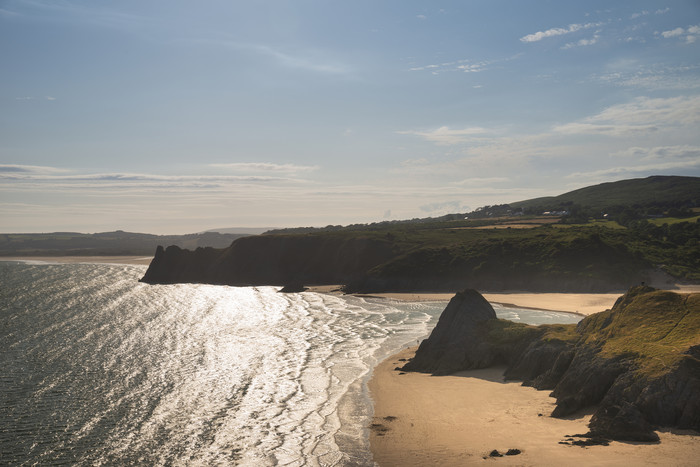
[{"x": 174, "y": 117}]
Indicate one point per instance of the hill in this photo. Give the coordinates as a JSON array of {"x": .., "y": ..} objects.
[
  {"x": 661, "y": 192},
  {"x": 622, "y": 201},
  {"x": 116, "y": 243}
]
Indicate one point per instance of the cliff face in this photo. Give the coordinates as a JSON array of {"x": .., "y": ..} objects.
[
  {"x": 639, "y": 362},
  {"x": 375, "y": 262},
  {"x": 456, "y": 341},
  {"x": 271, "y": 260}
]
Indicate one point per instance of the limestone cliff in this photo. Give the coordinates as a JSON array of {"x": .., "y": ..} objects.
[
  {"x": 271, "y": 260},
  {"x": 457, "y": 340}
]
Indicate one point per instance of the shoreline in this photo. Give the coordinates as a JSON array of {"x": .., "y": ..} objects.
[
  {"x": 582, "y": 304},
  {"x": 459, "y": 419}
]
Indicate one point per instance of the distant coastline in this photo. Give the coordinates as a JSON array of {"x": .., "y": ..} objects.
[{"x": 134, "y": 260}]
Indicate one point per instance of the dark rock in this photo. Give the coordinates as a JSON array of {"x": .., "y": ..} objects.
[
  {"x": 590, "y": 442},
  {"x": 513, "y": 452},
  {"x": 457, "y": 342},
  {"x": 495, "y": 453},
  {"x": 542, "y": 364},
  {"x": 272, "y": 260},
  {"x": 622, "y": 422},
  {"x": 586, "y": 380}
]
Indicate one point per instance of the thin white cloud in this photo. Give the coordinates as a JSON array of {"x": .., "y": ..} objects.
[
  {"x": 655, "y": 77},
  {"x": 133, "y": 179},
  {"x": 309, "y": 59},
  {"x": 29, "y": 169},
  {"x": 673, "y": 33},
  {"x": 639, "y": 116},
  {"x": 265, "y": 167},
  {"x": 445, "y": 135},
  {"x": 5, "y": 13},
  {"x": 464, "y": 65},
  {"x": 666, "y": 154},
  {"x": 483, "y": 181},
  {"x": 538, "y": 36},
  {"x": 582, "y": 42},
  {"x": 473, "y": 67},
  {"x": 633, "y": 170},
  {"x": 691, "y": 34}
]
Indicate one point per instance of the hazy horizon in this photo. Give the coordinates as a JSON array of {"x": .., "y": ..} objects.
[{"x": 174, "y": 117}]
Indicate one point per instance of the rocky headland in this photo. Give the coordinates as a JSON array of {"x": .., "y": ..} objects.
[
  {"x": 439, "y": 260},
  {"x": 638, "y": 364}
]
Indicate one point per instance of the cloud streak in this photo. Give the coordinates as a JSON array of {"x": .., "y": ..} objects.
[
  {"x": 28, "y": 169},
  {"x": 265, "y": 167},
  {"x": 691, "y": 33},
  {"x": 642, "y": 115},
  {"x": 553, "y": 32},
  {"x": 446, "y": 136}
]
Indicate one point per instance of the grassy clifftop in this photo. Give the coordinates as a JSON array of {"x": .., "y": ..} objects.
[{"x": 656, "y": 329}]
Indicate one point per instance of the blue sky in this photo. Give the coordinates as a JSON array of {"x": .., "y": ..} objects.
[{"x": 180, "y": 116}]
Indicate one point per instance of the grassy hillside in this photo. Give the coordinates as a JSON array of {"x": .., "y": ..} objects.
[
  {"x": 575, "y": 258},
  {"x": 656, "y": 190}
]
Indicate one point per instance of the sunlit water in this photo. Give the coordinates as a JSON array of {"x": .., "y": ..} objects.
[{"x": 98, "y": 369}]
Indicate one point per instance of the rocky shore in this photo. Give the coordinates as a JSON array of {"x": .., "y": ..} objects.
[{"x": 638, "y": 364}]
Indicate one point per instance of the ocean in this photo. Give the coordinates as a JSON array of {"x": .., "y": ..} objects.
[{"x": 99, "y": 369}]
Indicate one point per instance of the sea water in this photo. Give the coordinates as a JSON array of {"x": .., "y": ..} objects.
[{"x": 99, "y": 369}]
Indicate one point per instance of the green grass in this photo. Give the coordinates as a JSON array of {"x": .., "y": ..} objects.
[
  {"x": 654, "y": 328},
  {"x": 673, "y": 220}
]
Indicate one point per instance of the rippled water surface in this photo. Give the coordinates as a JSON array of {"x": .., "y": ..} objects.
[{"x": 98, "y": 369}]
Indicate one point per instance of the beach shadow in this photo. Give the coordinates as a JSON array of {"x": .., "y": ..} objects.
[
  {"x": 579, "y": 414},
  {"x": 493, "y": 374}
]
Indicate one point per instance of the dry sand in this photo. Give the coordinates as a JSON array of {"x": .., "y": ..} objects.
[
  {"x": 583, "y": 303},
  {"x": 136, "y": 260},
  {"x": 458, "y": 420}
]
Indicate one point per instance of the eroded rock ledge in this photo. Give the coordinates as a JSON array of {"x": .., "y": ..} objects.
[{"x": 638, "y": 363}]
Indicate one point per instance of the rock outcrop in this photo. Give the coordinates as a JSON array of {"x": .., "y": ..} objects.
[
  {"x": 457, "y": 340},
  {"x": 271, "y": 260},
  {"x": 638, "y": 363}
]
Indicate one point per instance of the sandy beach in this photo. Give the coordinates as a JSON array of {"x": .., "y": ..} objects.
[
  {"x": 582, "y": 303},
  {"x": 458, "y": 420},
  {"x": 137, "y": 260}
]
